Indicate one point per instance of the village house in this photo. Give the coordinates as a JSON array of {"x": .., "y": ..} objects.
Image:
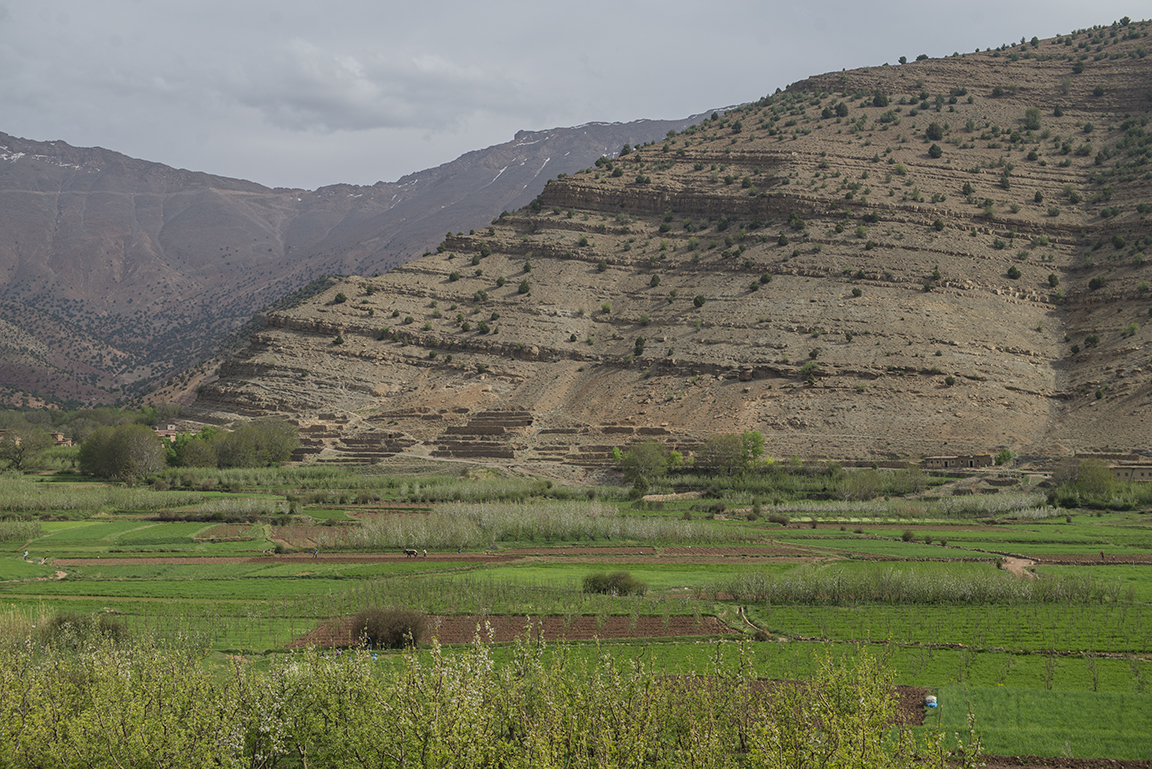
[
  {"x": 167, "y": 432},
  {"x": 957, "y": 462},
  {"x": 1131, "y": 472}
]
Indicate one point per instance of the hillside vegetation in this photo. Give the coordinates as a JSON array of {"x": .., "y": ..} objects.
[{"x": 936, "y": 257}]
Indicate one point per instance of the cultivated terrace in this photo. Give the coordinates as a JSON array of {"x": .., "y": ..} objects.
[{"x": 938, "y": 256}]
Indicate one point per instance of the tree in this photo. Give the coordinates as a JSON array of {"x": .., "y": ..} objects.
[
  {"x": 1004, "y": 457},
  {"x": 22, "y": 445},
  {"x": 861, "y": 485},
  {"x": 753, "y": 442},
  {"x": 195, "y": 452},
  {"x": 524, "y": 287},
  {"x": 259, "y": 443},
  {"x": 647, "y": 461},
  {"x": 722, "y": 454},
  {"x": 935, "y": 132},
  {"x": 1032, "y": 118},
  {"x": 124, "y": 453},
  {"x": 879, "y": 99},
  {"x": 935, "y": 151},
  {"x": 1094, "y": 478}
]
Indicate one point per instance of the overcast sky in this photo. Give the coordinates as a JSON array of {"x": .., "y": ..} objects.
[{"x": 295, "y": 94}]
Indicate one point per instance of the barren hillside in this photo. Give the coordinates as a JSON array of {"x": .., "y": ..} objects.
[{"x": 941, "y": 256}]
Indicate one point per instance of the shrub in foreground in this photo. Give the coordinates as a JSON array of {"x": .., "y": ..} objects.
[{"x": 76, "y": 631}]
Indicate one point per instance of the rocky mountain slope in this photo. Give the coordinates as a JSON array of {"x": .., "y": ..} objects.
[
  {"x": 116, "y": 273},
  {"x": 943, "y": 256}
]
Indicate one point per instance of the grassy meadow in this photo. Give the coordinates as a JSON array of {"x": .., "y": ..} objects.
[{"x": 1053, "y": 661}]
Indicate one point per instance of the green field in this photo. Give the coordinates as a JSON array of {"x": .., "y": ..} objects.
[{"x": 1051, "y": 664}]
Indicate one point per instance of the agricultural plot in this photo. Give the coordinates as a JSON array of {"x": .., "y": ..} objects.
[{"x": 235, "y": 568}]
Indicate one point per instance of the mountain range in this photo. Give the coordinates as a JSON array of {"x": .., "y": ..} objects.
[{"x": 118, "y": 275}]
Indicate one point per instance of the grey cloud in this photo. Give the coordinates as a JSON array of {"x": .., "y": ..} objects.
[{"x": 311, "y": 88}]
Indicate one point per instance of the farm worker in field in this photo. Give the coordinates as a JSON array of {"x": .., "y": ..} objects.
[
  {"x": 25, "y": 555},
  {"x": 425, "y": 553},
  {"x": 315, "y": 552}
]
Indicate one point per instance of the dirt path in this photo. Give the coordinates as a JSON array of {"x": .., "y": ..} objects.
[{"x": 1019, "y": 567}]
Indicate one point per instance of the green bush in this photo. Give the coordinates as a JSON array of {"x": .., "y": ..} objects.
[
  {"x": 616, "y": 583},
  {"x": 389, "y": 628}
]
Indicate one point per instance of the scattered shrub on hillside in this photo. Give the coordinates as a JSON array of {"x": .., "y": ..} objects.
[
  {"x": 389, "y": 628},
  {"x": 616, "y": 583},
  {"x": 907, "y": 536}
]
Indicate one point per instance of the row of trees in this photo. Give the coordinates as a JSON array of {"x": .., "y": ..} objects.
[
  {"x": 129, "y": 452},
  {"x": 726, "y": 454},
  {"x": 259, "y": 443},
  {"x": 27, "y": 441}
]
